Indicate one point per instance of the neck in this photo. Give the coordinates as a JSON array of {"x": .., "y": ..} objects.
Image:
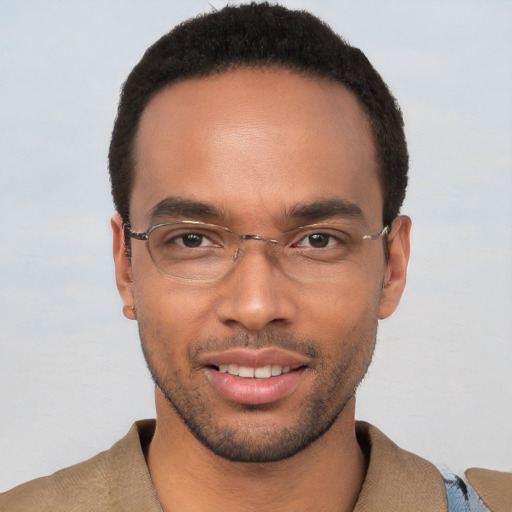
[{"x": 326, "y": 476}]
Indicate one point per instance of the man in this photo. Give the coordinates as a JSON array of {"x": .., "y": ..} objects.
[{"x": 258, "y": 167}]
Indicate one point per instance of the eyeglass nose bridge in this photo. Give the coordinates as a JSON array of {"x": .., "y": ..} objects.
[
  {"x": 242, "y": 237},
  {"x": 259, "y": 238}
]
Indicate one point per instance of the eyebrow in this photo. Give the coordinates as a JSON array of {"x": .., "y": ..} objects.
[
  {"x": 315, "y": 211},
  {"x": 184, "y": 208},
  {"x": 325, "y": 209}
]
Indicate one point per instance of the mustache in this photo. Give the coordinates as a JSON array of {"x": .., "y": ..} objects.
[{"x": 263, "y": 339}]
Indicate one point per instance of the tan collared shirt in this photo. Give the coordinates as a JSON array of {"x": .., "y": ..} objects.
[{"x": 118, "y": 480}]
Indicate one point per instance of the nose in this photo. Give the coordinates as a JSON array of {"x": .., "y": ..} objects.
[{"x": 256, "y": 293}]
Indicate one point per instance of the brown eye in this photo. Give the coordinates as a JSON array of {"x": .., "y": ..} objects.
[
  {"x": 331, "y": 239},
  {"x": 319, "y": 240},
  {"x": 191, "y": 240}
]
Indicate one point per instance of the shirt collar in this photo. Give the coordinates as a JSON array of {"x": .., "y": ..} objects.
[{"x": 395, "y": 479}]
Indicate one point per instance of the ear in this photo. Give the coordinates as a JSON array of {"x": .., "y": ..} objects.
[
  {"x": 396, "y": 270},
  {"x": 123, "y": 270}
]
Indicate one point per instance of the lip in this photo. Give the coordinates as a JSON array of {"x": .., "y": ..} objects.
[
  {"x": 255, "y": 358},
  {"x": 254, "y": 391}
]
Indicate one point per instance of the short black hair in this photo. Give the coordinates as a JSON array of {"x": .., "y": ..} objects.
[{"x": 259, "y": 35}]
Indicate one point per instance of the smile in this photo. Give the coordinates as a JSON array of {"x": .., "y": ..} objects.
[
  {"x": 255, "y": 376},
  {"x": 247, "y": 372}
]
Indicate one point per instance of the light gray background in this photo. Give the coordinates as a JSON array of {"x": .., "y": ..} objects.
[{"x": 72, "y": 378}]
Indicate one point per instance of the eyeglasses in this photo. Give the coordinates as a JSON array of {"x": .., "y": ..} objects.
[{"x": 197, "y": 251}]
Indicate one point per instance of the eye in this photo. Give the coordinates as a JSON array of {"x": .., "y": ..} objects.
[
  {"x": 318, "y": 240},
  {"x": 192, "y": 240}
]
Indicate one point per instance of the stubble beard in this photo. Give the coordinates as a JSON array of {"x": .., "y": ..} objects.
[{"x": 268, "y": 442}]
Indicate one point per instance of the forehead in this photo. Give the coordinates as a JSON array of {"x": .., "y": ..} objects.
[{"x": 255, "y": 142}]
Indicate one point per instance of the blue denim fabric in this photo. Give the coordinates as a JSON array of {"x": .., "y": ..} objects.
[{"x": 461, "y": 496}]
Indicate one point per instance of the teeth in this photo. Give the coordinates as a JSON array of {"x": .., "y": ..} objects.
[
  {"x": 244, "y": 371},
  {"x": 276, "y": 370},
  {"x": 263, "y": 372}
]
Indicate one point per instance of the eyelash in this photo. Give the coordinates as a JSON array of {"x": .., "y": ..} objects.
[{"x": 332, "y": 239}]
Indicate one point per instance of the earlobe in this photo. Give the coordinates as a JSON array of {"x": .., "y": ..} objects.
[
  {"x": 122, "y": 266},
  {"x": 396, "y": 269}
]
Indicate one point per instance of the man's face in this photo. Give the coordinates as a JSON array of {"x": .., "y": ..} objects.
[{"x": 259, "y": 152}]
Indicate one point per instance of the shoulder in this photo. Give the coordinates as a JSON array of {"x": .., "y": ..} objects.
[
  {"x": 479, "y": 490},
  {"x": 494, "y": 488},
  {"x": 116, "y": 479},
  {"x": 79, "y": 487},
  {"x": 402, "y": 481}
]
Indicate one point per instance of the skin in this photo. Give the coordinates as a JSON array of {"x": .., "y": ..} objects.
[{"x": 255, "y": 144}]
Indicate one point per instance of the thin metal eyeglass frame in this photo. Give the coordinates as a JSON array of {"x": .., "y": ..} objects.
[
  {"x": 145, "y": 238},
  {"x": 145, "y": 235}
]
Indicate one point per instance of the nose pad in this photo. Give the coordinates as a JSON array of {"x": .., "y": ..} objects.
[
  {"x": 267, "y": 246},
  {"x": 237, "y": 255}
]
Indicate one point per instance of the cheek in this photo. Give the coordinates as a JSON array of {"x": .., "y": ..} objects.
[
  {"x": 168, "y": 309},
  {"x": 338, "y": 312},
  {"x": 351, "y": 294}
]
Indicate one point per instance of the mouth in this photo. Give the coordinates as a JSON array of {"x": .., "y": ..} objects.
[
  {"x": 262, "y": 372},
  {"x": 254, "y": 377}
]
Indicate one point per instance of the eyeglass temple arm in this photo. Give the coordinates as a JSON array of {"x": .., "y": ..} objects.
[
  {"x": 383, "y": 232},
  {"x": 133, "y": 234}
]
